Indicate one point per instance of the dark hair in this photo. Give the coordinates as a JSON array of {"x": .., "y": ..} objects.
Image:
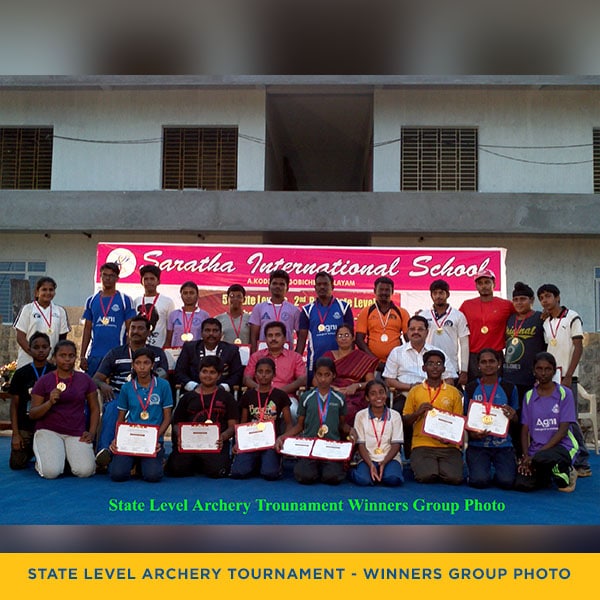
[
  {"x": 187, "y": 284},
  {"x": 37, "y": 335},
  {"x": 383, "y": 280},
  {"x": 153, "y": 269},
  {"x": 419, "y": 318},
  {"x": 236, "y": 287},
  {"x": 273, "y": 325},
  {"x": 111, "y": 266},
  {"x": 145, "y": 351},
  {"x": 327, "y": 363},
  {"x": 265, "y": 360},
  {"x": 211, "y": 361},
  {"x": 62, "y": 344},
  {"x": 373, "y": 383},
  {"x": 143, "y": 319},
  {"x": 439, "y": 284},
  {"x": 496, "y": 353},
  {"x": 211, "y": 321},
  {"x": 548, "y": 287},
  {"x": 324, "y": 274},
  {"x": 547, "y": 357},
  {"x": 345, "y": 326},
  {"x": 434, "y": 352},
  {"x": 522, "y": 289},
  {"x": 42, "y": 280},
  {"x": 280, "y": 274}
]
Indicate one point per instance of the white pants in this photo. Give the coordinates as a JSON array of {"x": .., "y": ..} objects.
[{"x": 51, "y": 449}]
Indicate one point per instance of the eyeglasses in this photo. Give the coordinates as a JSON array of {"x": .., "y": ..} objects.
[
  {"x": 343, "y": 335},
  {"x": 431, "y": 363}
]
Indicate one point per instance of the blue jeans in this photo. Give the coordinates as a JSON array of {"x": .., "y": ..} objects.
[
  {"x": 110, "y": 412},
  {"x": 392, "y": 474},
  {"x": 480, "y": 462},
  {"x": 151, "y": 466},
  {"x": 246, "y": 464}
]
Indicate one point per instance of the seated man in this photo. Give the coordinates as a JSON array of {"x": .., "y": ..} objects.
[
  {"x": 433, "y": 459},
  {"x": 187, "y": 366},
  {"x": 290, "y": 370}
]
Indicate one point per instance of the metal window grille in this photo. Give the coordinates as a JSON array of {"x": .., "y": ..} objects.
[
  {"x": 596, "y": 161},
  {"x": 200, "y": 158},
  {"x": 25, "y": 158},
  {"x": 439, "y": 159}
]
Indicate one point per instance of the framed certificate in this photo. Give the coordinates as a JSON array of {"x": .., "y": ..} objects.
[
  {"x": 444, "y": 426},
  {"x": 331, "y": 450},
  {"x": 495, "y": 423},
  {"x": 199, "y": 437},
  {"x": 255, "y": 436},
  {"x": 297, "y": 446},
  {"x": 136, "y": 440}
]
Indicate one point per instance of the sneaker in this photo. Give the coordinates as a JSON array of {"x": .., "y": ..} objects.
[
  {"x": 584, "y": 472},
  {"x": 103, "y": 457},
  {"x": 572, "y": 482}
]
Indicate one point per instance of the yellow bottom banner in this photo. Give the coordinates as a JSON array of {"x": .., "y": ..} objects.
[{"x": 295, "y": 575}]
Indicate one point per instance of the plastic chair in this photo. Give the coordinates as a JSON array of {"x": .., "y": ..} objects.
[{"x": 592, "y": 415}]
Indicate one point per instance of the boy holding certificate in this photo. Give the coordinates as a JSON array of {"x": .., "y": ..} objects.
[
  {"x": 263, "y": 407},
  {"x": 491, "y": 405},
  {"x": 321, "y": 414},
  {"x": 432, "y": 458},
  {"x": 145, "y": 401}
]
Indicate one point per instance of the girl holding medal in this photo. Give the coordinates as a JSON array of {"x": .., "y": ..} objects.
[
  {"x": 263, "y": 403},
  {"x": 490, "y": 458},
  {"x": 185, "y": 324},
  {"x": 380, "y": 435},
  {"x": 321, "y": 413},
  {"x": 58, "y": 403},
  {"x": 145, "y": 400}
]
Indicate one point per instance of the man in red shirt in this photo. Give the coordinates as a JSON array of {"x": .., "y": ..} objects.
[{"x": 486, "y": 317}]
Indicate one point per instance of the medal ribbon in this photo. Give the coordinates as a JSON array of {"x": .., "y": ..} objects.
[
  {"x": 187, "y": 325},
  {"x": 49, "y": 323},
  {"x": 555, "y": 331},
  {"x": 148, "y": 314},
  {"x": 277, "y": 317},
  {"x": 323, "y": 317},
  {"x": 238, "y": 331},
  {"x": 212, "y": 400},
  {"x": 518, "y": 326},
  {"x": 323, "y": 407},
  {"x": 262, "y": 409},
  {"x": 438, "y": 323},
  {"x": 58, "y": 380},
  {"x": 379, "y": 438},
  {"x": 147, "y": 399},
  {"x": 37, "y": 375},
  {"x": 437, "y": 393},
  {"x": 105, "y": 310},
  {"x": 383, "y": 325},
  {"x": 488, "y": 403}
]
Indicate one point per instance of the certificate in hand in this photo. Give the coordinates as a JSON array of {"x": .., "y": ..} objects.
[
  {"x": 444, "y": 426},
  {"x": 136, "y": 440},
  {"x": 255, "y": 436},
  {"x": 297, "y": 446},
  {"x": 331, "y": 450},
  {"x": 495, "y": 423},
  {"x": 199, "y": 437}
]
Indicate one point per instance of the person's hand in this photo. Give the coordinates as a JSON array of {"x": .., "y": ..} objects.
[
  {"x": 83, "y": 363},
  {"x": 106, "y": 391},
  {"x": 87, "y": 437},
  {"x": 17, "y": 442}
]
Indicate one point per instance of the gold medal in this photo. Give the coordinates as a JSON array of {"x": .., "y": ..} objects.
[
  {"x": 487, "y": 419},
  {"x": 321, "y": 327},
  {"x": 384, "y": 337},
  {"x": 237, "y": 342},
  {"x": 49, "y": 330},
  {"x": 144, "y": 415},
  {"x": 515, "y": 341},
  {"x": 322, "y": 431},
  {"x": 208, "y": 422},
  {"x": 61, "y": 387},
  {"x": 484, "y": 329},
  {"x": 105, "y": 321},
  {"x": 439, "y": 331},
  {"x": 187, "y": 337},
  {"x": 553, "y": 342},
  {"x": 433, "y": 412},
  {"x": 378, "y": 450},
  {"x": 260, "y": 426}
]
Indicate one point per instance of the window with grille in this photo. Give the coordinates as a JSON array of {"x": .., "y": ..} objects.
[
  {"x": 16, "y": 270},
  {"x": 438, "y": 159},
  {"x": 25, "y": 158},
  {"x": 596, "y": 161},
  {"x": 200, "y": 158}
]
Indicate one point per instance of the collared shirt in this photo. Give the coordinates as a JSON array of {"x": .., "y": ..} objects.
[
  {"x": 563, "y": 330},
  {"x": 369, "y": 429},
  {"x": 288, "y": 366},
  {"x": 405, "y": 364}
]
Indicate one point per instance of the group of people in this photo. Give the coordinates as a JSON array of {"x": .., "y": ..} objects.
[{"x": 378, "y": 381}]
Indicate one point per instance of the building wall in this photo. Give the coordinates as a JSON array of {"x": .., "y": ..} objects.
[
  {"x": 121, "y": 115},
  {"x": 507, "y": 117}
]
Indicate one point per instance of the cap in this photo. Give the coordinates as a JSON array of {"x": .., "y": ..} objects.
[{"x": 485, "y": 273}]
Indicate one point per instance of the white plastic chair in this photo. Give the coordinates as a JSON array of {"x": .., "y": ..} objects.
[{"x": 592, "y": 415}]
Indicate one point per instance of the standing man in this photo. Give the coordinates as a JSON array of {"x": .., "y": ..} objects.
[
  {"x": 152, "y": 305},
  {"x": 106, "y": 319},
  {"x": 114, "y": 371},
  {"x": 320, "y": 320},
  {"x": 235, "y": 322},
  {"x": 486, "y": 317},
  {"x": 188, "y": 363},
  {"x": 448, "y": 331},
  {"x": 380, "y": 327},
  {"x": 275, "y": 309},
  {"x": 563, "y": 330}
]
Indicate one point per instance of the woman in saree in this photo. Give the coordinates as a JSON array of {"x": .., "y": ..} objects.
[{"x": 354, "y": 369}]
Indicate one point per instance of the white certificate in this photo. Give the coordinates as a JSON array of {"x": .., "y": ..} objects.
[
  {"x": 331, "y": 450},
  {"x": 199, "y": 437},
  {"x": 297, "y": 446},
  {"x": 494, "y": 423},
  {"x": 444, "y": 426},
  {"x": 136, "y": 440},
  {"x": 255, "y": 436}
]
